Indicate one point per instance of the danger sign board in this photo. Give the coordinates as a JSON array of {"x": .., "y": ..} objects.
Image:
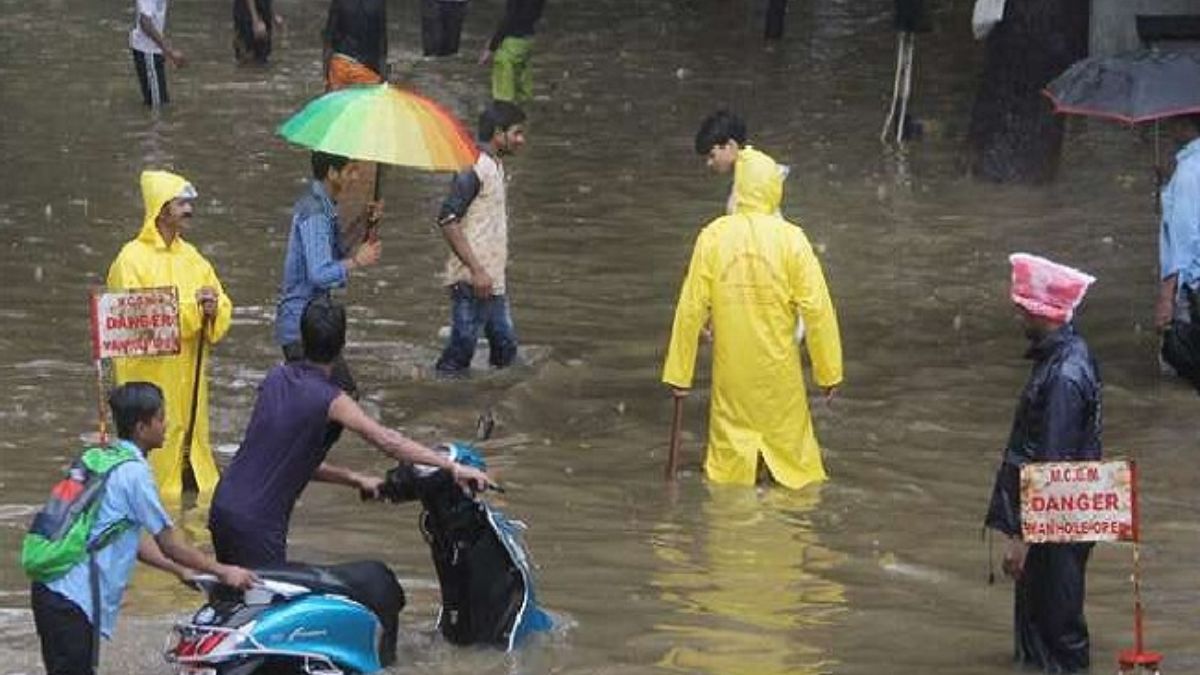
[
  {"x": 1076, "y": 502},
  {"x": 135, "y": 322}
]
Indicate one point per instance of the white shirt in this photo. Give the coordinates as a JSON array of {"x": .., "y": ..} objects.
[{"x": 157, "y": 11}]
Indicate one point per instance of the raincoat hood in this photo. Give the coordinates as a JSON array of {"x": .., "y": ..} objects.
[
  {"x": 158, "y": 188},
  {"x": 757, "y": 183}
]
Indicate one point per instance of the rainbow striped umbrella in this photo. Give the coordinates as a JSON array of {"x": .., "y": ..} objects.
[{"x": 383, "y": 123}]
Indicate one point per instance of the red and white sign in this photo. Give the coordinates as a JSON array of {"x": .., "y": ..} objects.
[
  {"x": 1076, "y": 502},
  {"x": 135, "y": 322}
]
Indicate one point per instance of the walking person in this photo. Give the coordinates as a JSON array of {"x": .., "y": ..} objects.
[
  {"x": 510, "y": 49},
  {"x": 1058, "y": 419},
  {"x": 151, "y": 50},
  {"x": 1177, "y": 312},
  {"x": 474, "y": 222},
  {"x": 68, "y": 622},
  {"x": 753, "y": 275},
  {"x": 355, "y": 43},
  {"x": 160, "y": 256},
  {"x": 316, "y": 263},
  {"x": 254, "y": 23},
  {"x": 441, "y": 26}
]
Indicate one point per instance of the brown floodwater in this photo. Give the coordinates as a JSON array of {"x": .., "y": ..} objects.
[{"x": 881, "y": 570}]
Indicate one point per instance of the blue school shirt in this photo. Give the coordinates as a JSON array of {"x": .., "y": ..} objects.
[
  {"x": 313, "y": 265},
  {"x": 1179, "y": 238},
  {"x": 130, "y": 495}
]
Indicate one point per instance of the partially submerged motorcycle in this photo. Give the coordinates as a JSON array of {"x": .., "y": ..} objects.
[{"x": 343, "y": 619}]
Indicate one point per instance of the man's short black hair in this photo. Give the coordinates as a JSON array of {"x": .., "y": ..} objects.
[
  {"x": 322, "y": 162},
  {"x": 1194, "y": 120},
  {"x": 719, "y": 128},
  {"x": 323, "y": 330},
  {"x": 134, "y": 402},
  {"x": 499, "y": 116}
]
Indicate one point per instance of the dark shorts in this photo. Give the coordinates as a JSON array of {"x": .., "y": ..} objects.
[
  {"x": 238, "y": 541},
  {"x": 65, "y": 632},
  {"x": 152, "y": 77}
]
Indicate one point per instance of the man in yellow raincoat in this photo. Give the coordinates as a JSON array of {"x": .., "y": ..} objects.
[
  {"x": 753, "y": 274},
  {"x": 160, "y": 257}
]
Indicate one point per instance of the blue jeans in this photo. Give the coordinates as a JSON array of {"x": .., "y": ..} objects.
[{"x": 468, "y": 315}]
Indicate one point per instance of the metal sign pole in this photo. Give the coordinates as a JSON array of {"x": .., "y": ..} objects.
[
  {"x": 100, "y": 402},
  {"x": 95, "y": 321},
  {"x": 1137, "y": 658}
]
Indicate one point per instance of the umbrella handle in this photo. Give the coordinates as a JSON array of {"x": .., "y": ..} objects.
[
  {"x": 371, "y": 232},
  {"x": 378, "y": 181}
]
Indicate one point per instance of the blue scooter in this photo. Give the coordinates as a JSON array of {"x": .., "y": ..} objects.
[
  {"x": 316, "y": 620},
  {"x": 343, "y": 619}
]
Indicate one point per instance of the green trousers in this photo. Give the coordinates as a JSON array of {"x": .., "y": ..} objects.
[{"x": 512, "y": 79}]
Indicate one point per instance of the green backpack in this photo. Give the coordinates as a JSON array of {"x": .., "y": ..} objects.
[{"x": 58, "y": 537}]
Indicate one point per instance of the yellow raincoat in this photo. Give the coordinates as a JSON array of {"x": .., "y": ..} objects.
[
  {"x": 146, "y": 262},
  {"x": 753, "y": 274},
  {"x": 758, "y": 165}
]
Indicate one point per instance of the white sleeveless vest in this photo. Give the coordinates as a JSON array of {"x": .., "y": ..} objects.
[{"x": 485, "y": 226}]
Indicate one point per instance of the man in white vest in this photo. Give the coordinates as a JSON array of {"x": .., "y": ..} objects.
[{"x": 474, "y": 221}]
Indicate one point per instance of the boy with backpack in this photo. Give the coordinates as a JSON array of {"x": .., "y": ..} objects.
[{"x": 81, "y": 546}]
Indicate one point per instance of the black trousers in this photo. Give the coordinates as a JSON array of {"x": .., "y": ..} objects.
[
  {"x": 246, "y": 48},
  {"x": 776, "y": 11},
  {"x": 342, "y": 377},
  {"x": 152, "y": 77},
  {"x": 65, "y": 632},
  {"x": 441, "y": 26},
  {"x": 1050, "y": 630}
]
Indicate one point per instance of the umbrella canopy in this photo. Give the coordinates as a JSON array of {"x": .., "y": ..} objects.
[
  {"x": 383, "y": 123},
  {"x": 1139, "y": 86}
]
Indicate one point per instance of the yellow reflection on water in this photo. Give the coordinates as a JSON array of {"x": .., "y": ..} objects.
[{"x": 747, "y": 578}]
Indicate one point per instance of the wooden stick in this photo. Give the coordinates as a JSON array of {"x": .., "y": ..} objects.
[
  {"x": 676, "y": 431},
  {"x": 191, "y": 427}
]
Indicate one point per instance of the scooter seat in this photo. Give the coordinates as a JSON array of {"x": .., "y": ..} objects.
[{"x": 313, "y": 577}]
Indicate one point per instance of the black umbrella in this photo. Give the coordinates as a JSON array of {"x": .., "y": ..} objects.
[{"x": 1139, "y": 86}]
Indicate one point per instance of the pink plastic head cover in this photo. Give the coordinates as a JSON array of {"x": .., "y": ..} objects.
[{"x": 1046, "y": 288}]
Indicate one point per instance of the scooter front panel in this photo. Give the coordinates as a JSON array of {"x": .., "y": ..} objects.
[{"x": 336, "y": 627}]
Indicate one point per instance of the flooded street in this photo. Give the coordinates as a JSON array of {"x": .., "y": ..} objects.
[{"x": 881, "y": 570}]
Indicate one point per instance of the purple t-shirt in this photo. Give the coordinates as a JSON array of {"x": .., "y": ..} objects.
[{"x": 282, "y": 447}]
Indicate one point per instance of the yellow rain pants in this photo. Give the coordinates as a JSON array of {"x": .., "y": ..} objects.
[
  {"x": 147, "y": 262},
  {"x": 752, "y": 274}
]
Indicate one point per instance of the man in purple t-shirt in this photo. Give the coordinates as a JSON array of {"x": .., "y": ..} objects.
[{"x": 283, "y": 448}]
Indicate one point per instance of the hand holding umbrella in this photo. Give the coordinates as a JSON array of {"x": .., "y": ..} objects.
[{"x": 386, "y": 124}]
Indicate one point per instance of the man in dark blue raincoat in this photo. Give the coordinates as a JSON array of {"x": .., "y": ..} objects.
[{"x": 1058, "y": 419}]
